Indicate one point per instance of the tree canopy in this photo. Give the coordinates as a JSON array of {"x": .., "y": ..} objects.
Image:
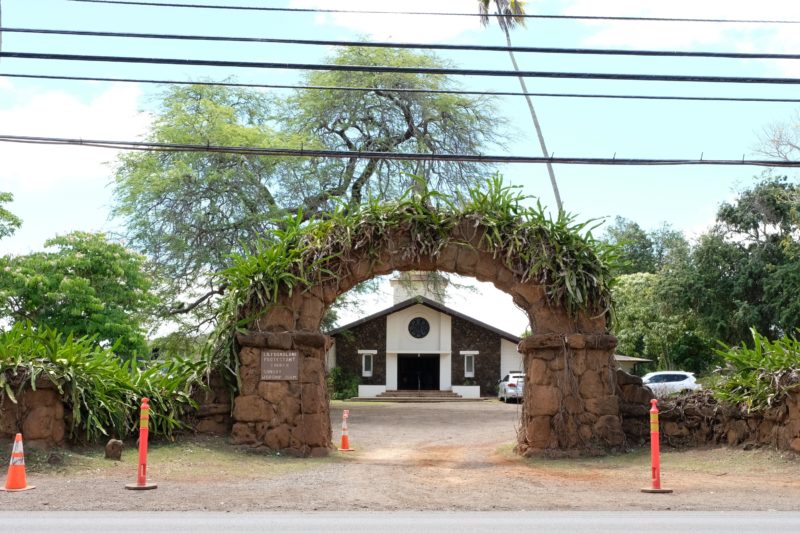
[
  {"x": 9, "y": 223},
  {"x": 189, "y": 211},
  {"x": 673, "y": 301},
  {"x": 86, "y": 286},
  {"x": 745, "y": 272},
  {"x": 642, "y": 251},
  {"x": 647, "y": 327}
]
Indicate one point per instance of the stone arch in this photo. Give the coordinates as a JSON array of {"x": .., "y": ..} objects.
[{"x": 570, "y": 405}]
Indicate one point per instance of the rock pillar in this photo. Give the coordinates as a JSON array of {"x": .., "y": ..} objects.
[
  {"x": 571, "y": 405},
  {"x": 37, "y": 414},
  {"x": 290, "y": 415}
]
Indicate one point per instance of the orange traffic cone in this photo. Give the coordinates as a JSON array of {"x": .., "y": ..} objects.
[
  {"x": 16, "y": 481},
  {"x": 345, "y": 447}
]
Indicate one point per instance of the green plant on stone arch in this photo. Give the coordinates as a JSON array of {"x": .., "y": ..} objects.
[{"x": 560, "y": 254}]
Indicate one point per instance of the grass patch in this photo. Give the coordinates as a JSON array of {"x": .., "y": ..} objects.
[{"x": 195, "y": 458}]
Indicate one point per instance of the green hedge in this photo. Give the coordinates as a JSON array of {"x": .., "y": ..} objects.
[{"x": 101, "y": 392}]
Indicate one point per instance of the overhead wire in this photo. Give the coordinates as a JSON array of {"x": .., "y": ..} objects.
[
  {"x": 395, "y": 156},
  {"x": 399, "y": 89},
  {"x": 287, "y": 152},
  {"x": 416, "y": 46},
  {"x": 435, "y": 13},
  {"x": 401, "y": 70}
]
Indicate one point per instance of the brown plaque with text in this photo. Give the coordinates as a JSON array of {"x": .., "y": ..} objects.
[{"x": 280, "y": 365}]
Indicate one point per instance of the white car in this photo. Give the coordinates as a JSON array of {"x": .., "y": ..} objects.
[
  {"x": 512, "y": 386},
  {"x": 670, "y": 381}
]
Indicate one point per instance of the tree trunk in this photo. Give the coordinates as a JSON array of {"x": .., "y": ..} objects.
[{"x": 536, "y": 124}]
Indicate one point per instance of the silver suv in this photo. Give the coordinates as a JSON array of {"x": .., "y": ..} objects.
[
  {"x": 670, "y": 381},
  {"x": 512, "y": 386}
]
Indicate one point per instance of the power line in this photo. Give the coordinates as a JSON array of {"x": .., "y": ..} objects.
[
  {"x": 401, "y": 70},
  {"x": 421, "y": 46},
  {"x": 434, "y": 13},
  {"x": 395, "y": 156},
  {"x": 402, "y": 90}
]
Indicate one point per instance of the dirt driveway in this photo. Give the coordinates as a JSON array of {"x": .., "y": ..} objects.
[{"x": 411, "y": 457}]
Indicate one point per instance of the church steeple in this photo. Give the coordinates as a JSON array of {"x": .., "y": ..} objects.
[{"x": 430, "y": 285}]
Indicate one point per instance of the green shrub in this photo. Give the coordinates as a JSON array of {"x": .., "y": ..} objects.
[
  {"x": 342, "y": 385},
  {"x": 757, "y": 377},
  {"x": 101, "y": 393}
]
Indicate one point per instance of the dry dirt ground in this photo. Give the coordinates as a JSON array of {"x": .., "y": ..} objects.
[{"x": 409, "y": 457}]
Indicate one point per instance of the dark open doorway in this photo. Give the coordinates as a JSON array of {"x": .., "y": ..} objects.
[{"x": 418, "y": 372}]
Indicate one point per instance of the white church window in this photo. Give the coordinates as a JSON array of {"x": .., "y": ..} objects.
[
  {"x": 366, "y": 362},
  {"x": 469, "y": 363}
]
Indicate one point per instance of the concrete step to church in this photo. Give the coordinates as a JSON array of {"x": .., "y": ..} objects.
[
  {"x": 411, "y": 399},
  {"x": 417, "y": 396}
]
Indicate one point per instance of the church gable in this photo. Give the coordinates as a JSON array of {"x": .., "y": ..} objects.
[{"x": 418, "y": 329}]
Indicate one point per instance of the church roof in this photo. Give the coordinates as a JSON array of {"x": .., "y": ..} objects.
[{"x": 421, "y": 300}]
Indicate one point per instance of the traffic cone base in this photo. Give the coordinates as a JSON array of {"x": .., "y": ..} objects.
[
  {"x": 657, "y": 491},
  {"x": 29, "y": 487},
  {"x": 136, "y": 486},
  {"x": 16, "y": 480}
]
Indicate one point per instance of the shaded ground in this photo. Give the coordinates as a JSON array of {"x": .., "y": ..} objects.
[{"x": 411, "y": 457}]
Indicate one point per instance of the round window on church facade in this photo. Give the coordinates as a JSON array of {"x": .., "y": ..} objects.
[{"x": 418, "y": 327}]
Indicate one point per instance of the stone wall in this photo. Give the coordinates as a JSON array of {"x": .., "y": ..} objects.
[
  {"x": 571, "y": 404},
  {"x": 38, "y": 415},
  {"x": 213, "y": 416},
  {"x": 697, "y": 420},
  {"x": 469, "y": 336},
  {"x": 634, "y": 407},
  {"x": 368, "y": 336},
  {"x": 290, "y": 416}
]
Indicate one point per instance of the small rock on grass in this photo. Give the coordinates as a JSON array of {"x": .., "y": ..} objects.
[{"x": 114, "y": 450}]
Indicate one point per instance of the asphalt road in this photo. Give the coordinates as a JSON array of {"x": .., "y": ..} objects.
[{"x": 418, "y": 522}]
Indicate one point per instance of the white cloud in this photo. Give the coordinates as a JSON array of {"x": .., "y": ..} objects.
[
  {"x": 112, "y": 115},
  {"x": 5, "y": 84},
  {"x": 675, "y": 34},
  {"x": 775, "y": 38},
  {"x": 398, "y": 28}
]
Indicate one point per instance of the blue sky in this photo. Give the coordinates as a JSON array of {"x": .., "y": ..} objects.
[{"x": 59, "y": 189}]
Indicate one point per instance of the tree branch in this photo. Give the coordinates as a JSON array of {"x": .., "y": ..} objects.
[{"x": 189, "y": 307}]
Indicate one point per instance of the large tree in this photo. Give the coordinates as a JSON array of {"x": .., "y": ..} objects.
[
  {"x": 85, "y": 286},
  {"x": 745, "y": 272},
  {"x": 188, "y": 211}
]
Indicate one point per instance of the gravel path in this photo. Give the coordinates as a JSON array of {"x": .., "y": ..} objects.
[{"x": 443, "y": 456}]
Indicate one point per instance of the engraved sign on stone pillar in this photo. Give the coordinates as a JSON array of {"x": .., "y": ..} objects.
[{"x": 280, "y": 365}]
